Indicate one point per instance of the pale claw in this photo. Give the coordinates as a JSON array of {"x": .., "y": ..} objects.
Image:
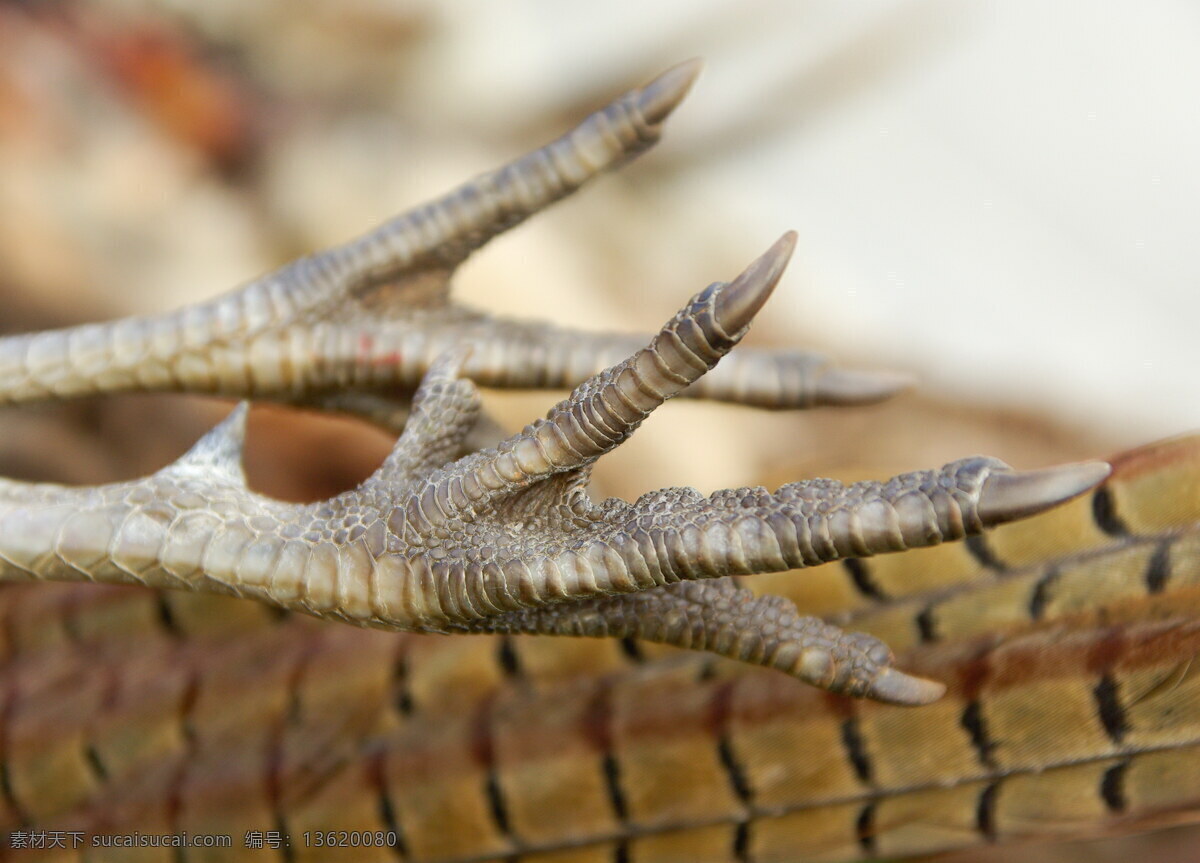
[
  {"x": 662, "y": 95},
  {"x": 1007, "y": 496},
  {"x": 892, "y": 686},
  {"x": 839, "y": 387},
  {"x": 738, "y": 303}
]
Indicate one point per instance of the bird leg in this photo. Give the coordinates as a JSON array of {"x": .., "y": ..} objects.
[
  {"x": 356, "y": 327},
  {"x": 507, "y": 538}
]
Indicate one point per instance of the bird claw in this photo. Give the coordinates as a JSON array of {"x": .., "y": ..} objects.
[
  {"x": 844, "y": 387},
  {"x": 505, "y": 536},
  {"x": 1009, "y": 495},
  {"x": 892, "y": 686},
  {"x": 661, "y": 96}
]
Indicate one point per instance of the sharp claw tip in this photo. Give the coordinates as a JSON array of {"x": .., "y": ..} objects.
[
  {"x": 741, "y": 300},
  {"x": 895, "y": 687},
  {"x": 662, "y": 95},
  {"x": 235, "y": 421},
  {"x": 770, "y": 264},
  {"x": 1006, "y": 496}
]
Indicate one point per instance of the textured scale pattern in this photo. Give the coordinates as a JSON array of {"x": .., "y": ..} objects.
[
  {"x": 503, "y": 538},
  {"x": 213, "y": 715},
  {"x": 1062, "y": 644},
  {"x": 355, "y": 328}
]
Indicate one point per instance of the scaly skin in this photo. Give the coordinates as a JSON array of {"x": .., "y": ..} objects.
[
  {"x": 134, "y": 720},
  {"x": 507, "y": 540},
  {"x": 356, "y": 327},
  {"x": 503, "y": 539},
  {"x": 126, "y": 710}
]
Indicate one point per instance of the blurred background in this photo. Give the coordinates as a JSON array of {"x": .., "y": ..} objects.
[{"x": 993, "y": 197}]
